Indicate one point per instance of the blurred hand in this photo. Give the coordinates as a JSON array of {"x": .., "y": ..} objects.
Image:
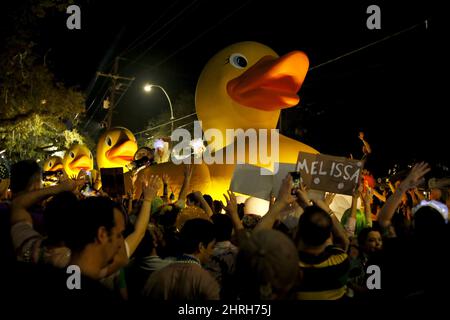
[
  {"x": 302, "y": 196},
  {"x": 165, "y": 178},
  {"x": 150, "y": 188},
  {"x": 231, "y": 207},
  {"x": 361, "y": 135},
  {"x": 415, "y": 177},
  {"x": 284, "y": 194},
  {"x": 329, "y": 198}
]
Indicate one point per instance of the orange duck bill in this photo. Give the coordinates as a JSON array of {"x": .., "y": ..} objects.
[
  {"x": 123, "y": 153},
  {"x": 81, "y": 163},
  {"x": 271, "y": 83}
]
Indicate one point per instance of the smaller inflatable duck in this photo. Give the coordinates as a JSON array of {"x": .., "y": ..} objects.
[
  {"x": 53, "y": 164},
  {"x": 78, "y": 158}
]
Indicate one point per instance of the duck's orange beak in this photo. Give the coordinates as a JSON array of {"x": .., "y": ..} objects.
[
  {"x": 271, "y": 83},
  {"x": 57, "y": 167},
  {"x": 123, "y": 153},
  {"x": 81, "y": 162}
]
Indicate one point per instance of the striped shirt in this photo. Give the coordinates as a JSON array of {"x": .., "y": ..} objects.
[{"x": 325, "y": 275}]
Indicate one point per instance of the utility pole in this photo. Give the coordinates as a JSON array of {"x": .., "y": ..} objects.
[{"x": 115, "y": 84}]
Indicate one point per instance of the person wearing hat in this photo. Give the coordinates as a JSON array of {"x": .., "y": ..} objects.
[{"x": 439, "y": 189}]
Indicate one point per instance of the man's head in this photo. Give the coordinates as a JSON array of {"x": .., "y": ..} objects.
[
  {"x": 314, "y": 227},
  {"x": 209, "y": 200},
  {"x": 197, "y": 238},
  {"x": 97, "y": 223},
  {"x": 144, "y": 152},
  {"x": 191, "y": 200},
  {"x": 26, "y": 176}
]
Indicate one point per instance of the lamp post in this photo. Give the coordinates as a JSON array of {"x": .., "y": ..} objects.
[{"x": 148, "y": 87}]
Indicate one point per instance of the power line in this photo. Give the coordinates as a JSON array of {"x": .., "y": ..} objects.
[
  {"x": 165, "y": 124},
  {"x": 158, "y": 30},
  {"x": 200, "y": 35},
  {"x": 371, "y": 44},
  {"x": 132, "y": 45}
]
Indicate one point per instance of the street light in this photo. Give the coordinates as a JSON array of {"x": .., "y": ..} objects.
[{"x": 148, "y": 87}]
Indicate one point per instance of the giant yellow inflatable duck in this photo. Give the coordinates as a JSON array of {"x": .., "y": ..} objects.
[
  {"x": 53, "y": 164},
  {"x": 77, "y": 158},
  {"x": 244, "y": 86},
  {"x": 116, "y": 148}
]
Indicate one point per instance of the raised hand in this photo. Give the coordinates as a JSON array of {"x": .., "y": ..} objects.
[
  {"x": 150, "y": 188},
  {"x": 415, "y": 177},
  {"x": 231, "y": 207},
  {"x": 284, "y": 194},
  {"x": 361, "y": 135},
  {"x": 329, "y": 198},
  {"x": 302, "y": 196}
]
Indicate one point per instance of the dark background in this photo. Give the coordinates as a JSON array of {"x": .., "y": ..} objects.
[{"x": 393, "y": 90}]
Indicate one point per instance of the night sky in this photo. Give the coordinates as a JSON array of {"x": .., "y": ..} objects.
[{"x": 391, "y": 90}]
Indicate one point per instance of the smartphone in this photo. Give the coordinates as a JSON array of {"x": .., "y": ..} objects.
[{"x": 295, "y": 181}]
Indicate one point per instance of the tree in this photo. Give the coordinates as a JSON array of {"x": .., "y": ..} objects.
[{"x": 36, "y": 111}]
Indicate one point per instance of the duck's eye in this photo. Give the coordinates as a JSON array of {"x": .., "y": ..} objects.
[
  {"x": 50, "y": 164},
  {"x": 108, "y": 141},
  {"x": 72, "y": 155},
  {"x": 238, "y": 60}
]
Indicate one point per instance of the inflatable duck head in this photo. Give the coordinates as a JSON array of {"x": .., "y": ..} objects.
[
  {"x": 246, "y": 85},
  {"x": 53, "y": 163},
  {"x": 116, "y": 148},
  {"x": 77, "y": 158}
]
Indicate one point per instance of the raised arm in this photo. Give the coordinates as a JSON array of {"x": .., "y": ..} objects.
[
  {"x": 284, "y": 198},
  {"x": 150, "y": 189},
  {"x": 232, "y": 210},
  {"x": 366, "y": 149},
  {"x": 413, "y": 179},
  {"x": 188, "y": 169},
  {"x": 203, "y": 204},
  {"x": 20, "y": 205},
  {"x": 340, "y": 238},
  {"x": 366, "y": 198}
]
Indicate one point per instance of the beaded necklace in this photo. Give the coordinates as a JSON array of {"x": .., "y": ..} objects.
[{"x": 188, "y": 259}]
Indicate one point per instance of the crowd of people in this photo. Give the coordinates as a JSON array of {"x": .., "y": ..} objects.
[{"x": 192, "y": 247}]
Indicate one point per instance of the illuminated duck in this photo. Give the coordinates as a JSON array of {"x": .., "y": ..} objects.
[
  {"x": 245, "y": 86},
  {"x": 77, "y": 158},
  {"x": 53, "y": 163},
  {"x": 116, "y": 148}
]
